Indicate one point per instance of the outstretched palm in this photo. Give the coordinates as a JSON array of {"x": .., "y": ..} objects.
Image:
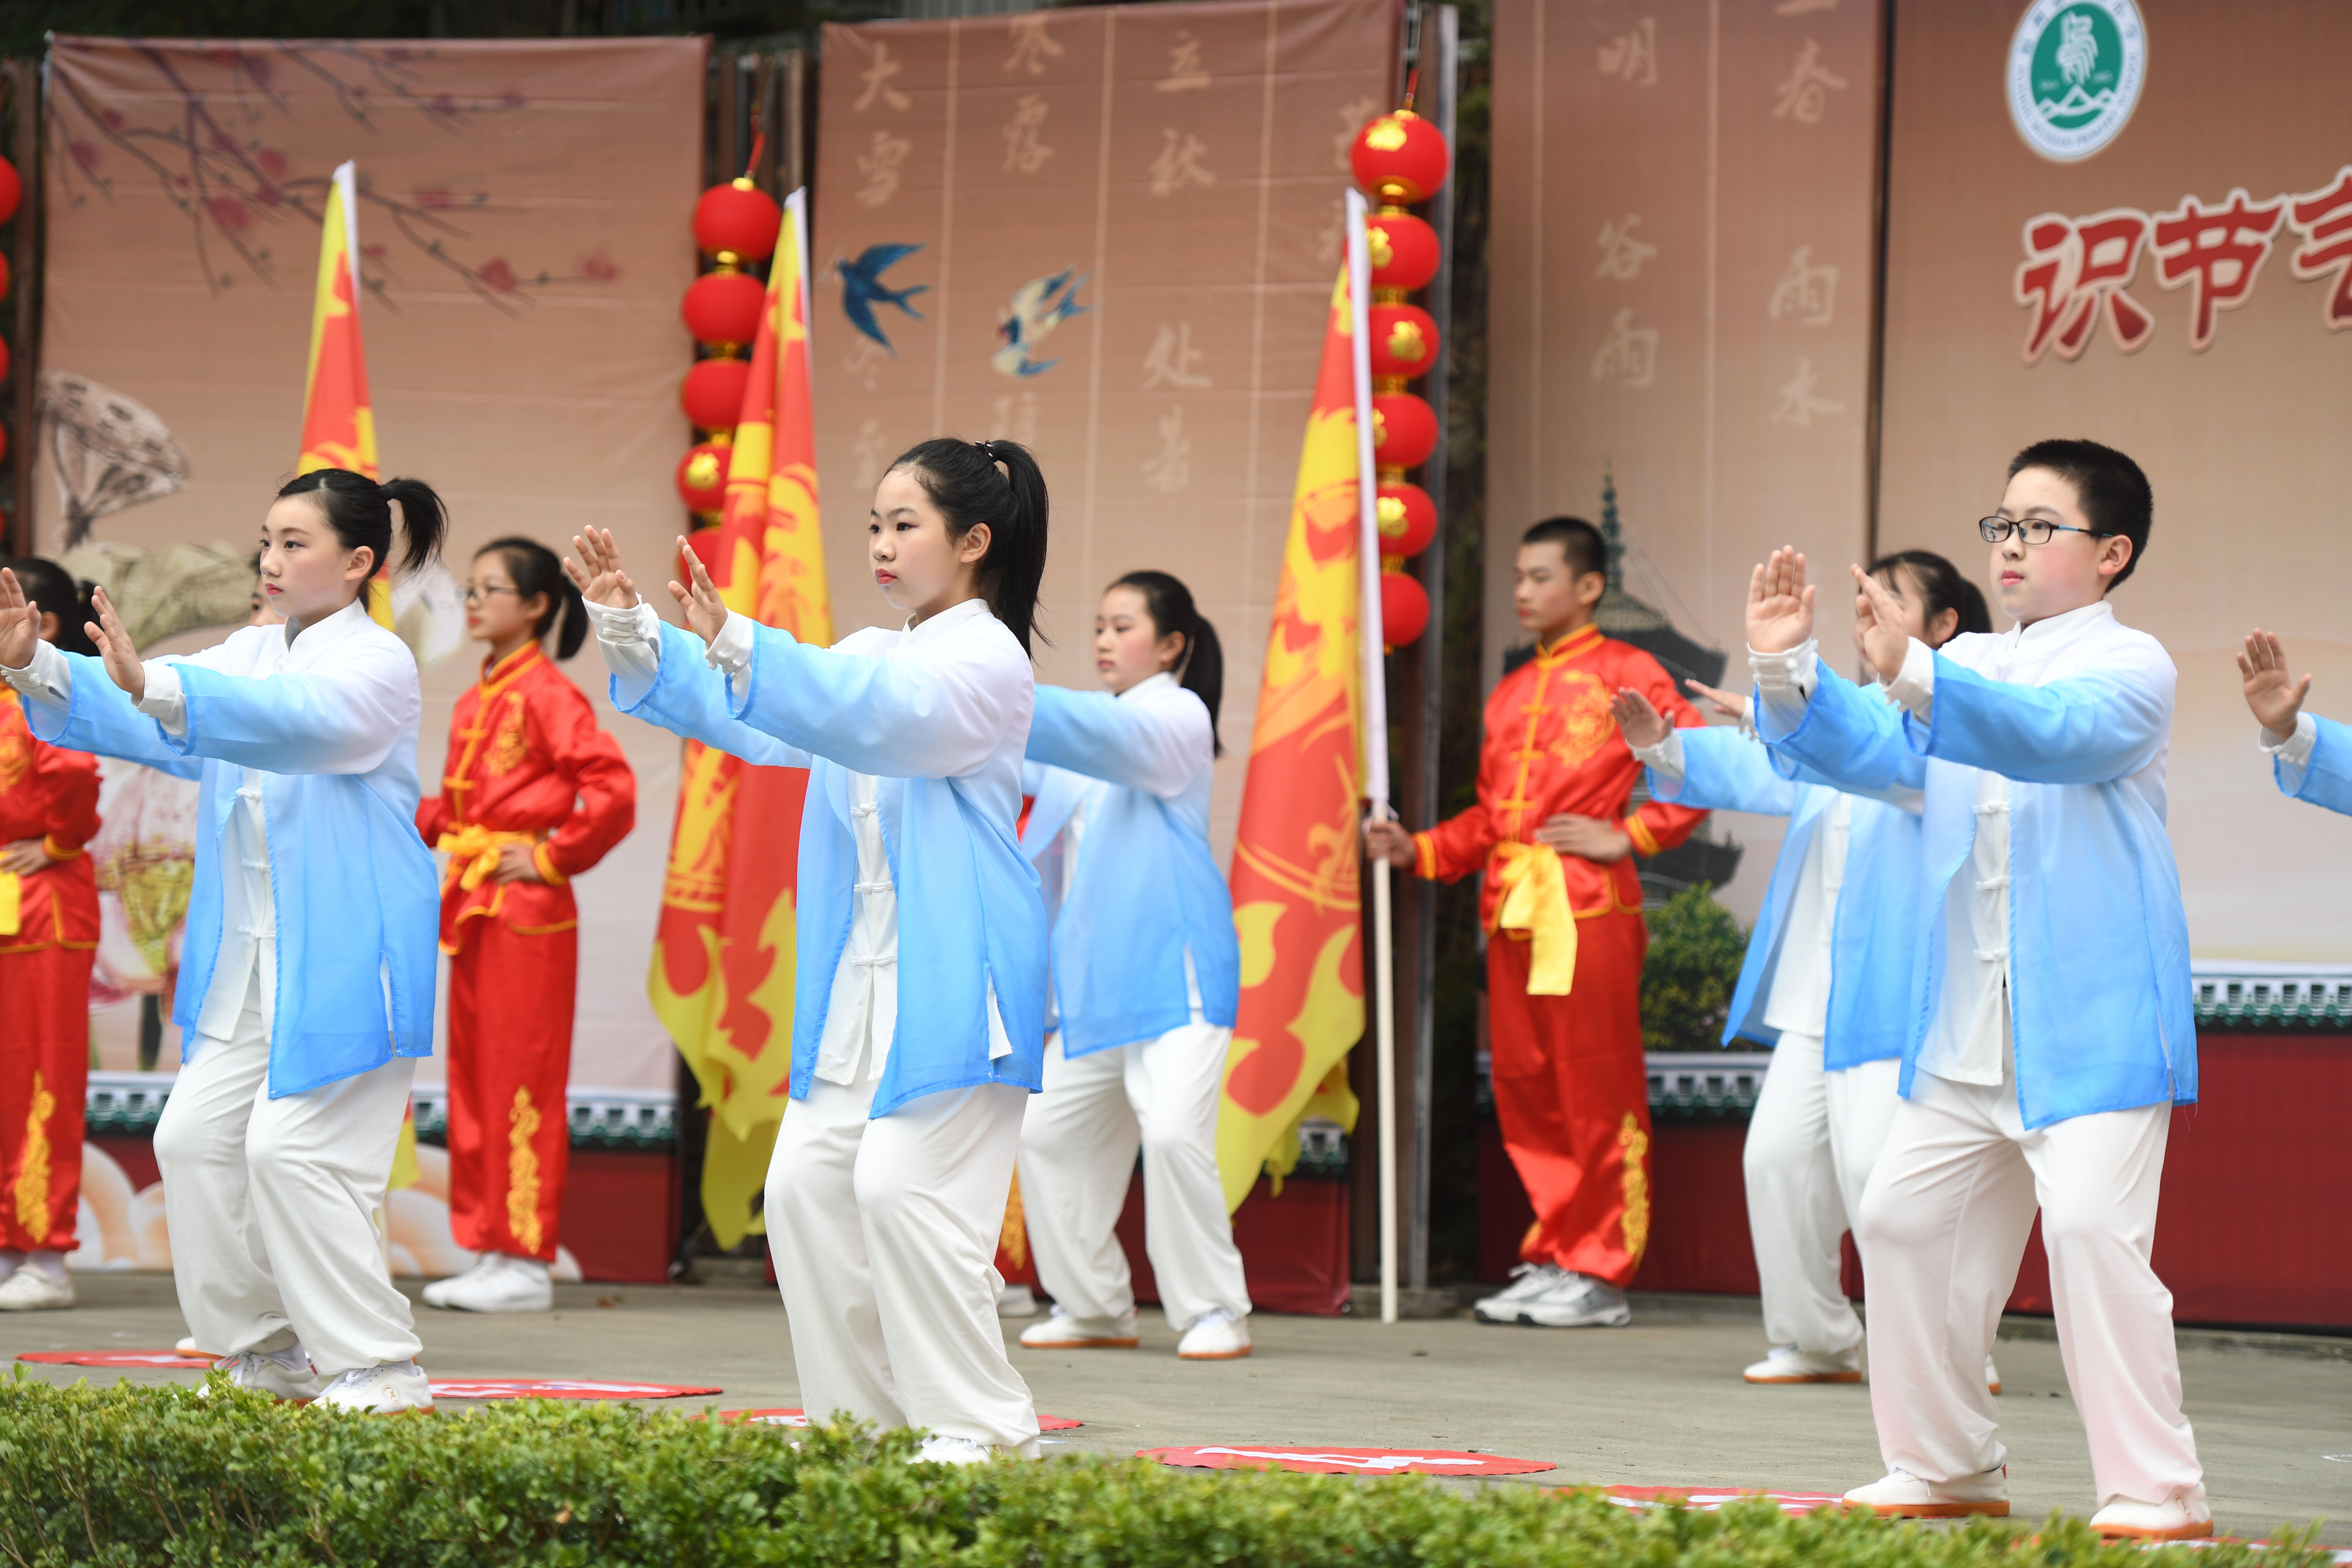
[
  {"x": 1779, "y": 604},
  {"x": 1643, "y": 724},
  {"x": 20, "y": 623},
  {"x": 2274, "y": 696},
  {"x": 598, "y": 571},
  {"x": 706, "y": 612},
  {"x": 1879, "y": 625}
]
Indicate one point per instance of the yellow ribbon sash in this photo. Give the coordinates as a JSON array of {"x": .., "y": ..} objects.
[
  {"x": 1534, "y": 906},
  {"x": 473, "y": 852},
  {"x": 11, "y": 896}
]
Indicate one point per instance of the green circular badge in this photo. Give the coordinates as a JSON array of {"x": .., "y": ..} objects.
[{"x": 2075, "y": 68}]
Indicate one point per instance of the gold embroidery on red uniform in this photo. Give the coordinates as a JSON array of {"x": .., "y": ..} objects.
[
  {"x": 32, "y": 1193},
  {"x": 1585, "y": 725},
  {"x": 522, "y": 1172},
  {"x": 16, "y": 758},
  {"x": 509, "y": 746}
]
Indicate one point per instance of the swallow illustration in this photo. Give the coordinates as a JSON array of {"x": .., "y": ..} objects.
[
  {"x": 862, "y": 289},
  {"x": 1038, "y": 307}
]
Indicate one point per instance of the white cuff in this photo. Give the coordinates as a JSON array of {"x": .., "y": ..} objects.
[
  {"x": 637, "y": 622},
  {"x": 165, "y": 701},
  {"x": 48, "y": 679},
  {"x": 1789, "y": 672},
  {"x": 1914, "y": 687},
  {"x": 631, "y": 642},
  {"x": 2295, "y": 750},
  {"x": 730, "y": 650},
  {"x": 1666, "y": 756}
]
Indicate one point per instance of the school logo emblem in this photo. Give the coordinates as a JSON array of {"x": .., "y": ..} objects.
[{"x": 2076, "y": 69}]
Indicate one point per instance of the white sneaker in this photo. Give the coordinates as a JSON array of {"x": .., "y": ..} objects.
[
  {"x": 2184, "y": 1518},
  {"x": 1786, "y": 1364},
  {"x": 33, "y": 1289},
  {"x": 1061, "y": 1332},
  {"x": 508, "y": 1284},
  {"x": 281, "y": 1374},
  {"x": 939, "y": 1450},
  {"x": 484, "y": 1264},
  {"x": 1899, "y": 1494},
  {"x": 1016, "y": 1301},
  {"x": 1577, "y": 1301},
  {"x": 377, "y": 1390},
  {"x": 1215, "y": 1335},
  {"x": 1528, "y": 1279},
  {"x": 1992, "y": 1377}
]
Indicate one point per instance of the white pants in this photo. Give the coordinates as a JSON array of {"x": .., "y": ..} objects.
[
  {"x": 884, "y": 1232},
  {"x": 272, "y": 1203},
  {"x": 1811, "y": 1143},
  {"x": 1943, "y": 1227},
  {"x": 1078, "y": 1154}
]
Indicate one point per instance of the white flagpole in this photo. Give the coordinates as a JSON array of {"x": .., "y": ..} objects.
[{"x": 1371, "y": 635}]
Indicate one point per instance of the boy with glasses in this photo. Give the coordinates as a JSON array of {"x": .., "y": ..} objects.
[{"x": 2054, "y": 1029}]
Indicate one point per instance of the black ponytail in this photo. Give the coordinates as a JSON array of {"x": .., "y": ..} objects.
[
  {"x": 360, "y": 511},
  {"x": 1202, "y": 668},
  {"x": 1942, "y": 588},
  {"x": 536, "y": 571},
  {"x": 962, "y": 479},
  {"x": 54, "y": 592}
]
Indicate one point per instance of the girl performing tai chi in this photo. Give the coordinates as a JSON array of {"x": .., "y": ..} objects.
[
  {"x": 306, "y": 974},
  {"x": 1147, "y": 978},
  {"x": 48, "y": 937},
  {"x": 1827, "y": 982},
  {"x": 887, "y": 1189},
  {"x": 535, "y": 795}
]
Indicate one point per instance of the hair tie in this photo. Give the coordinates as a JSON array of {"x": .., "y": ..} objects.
[{"x": 987, "y": 449}]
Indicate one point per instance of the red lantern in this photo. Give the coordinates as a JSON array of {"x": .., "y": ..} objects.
[
  {"x": 724, "y": 308},
  {"x": 737, "y": 219},
  {"x": 3, "y": 445},
  {"x": 1404, "y": 341},
  {"x": 12, "y": 189},
  {"x": 1404, "y": 609},
  {"x": 702, "y": 476},
  {"x": 1404, "y": 251},
  {"x": 1404, "y": 431},
  {"x": 4, "y": 277},
  {"x": 4, "y": 359},
  {"x": 1408, "y": 518},
  {"x": 713, "y": 394},
  {"x": 1401, "y": 158}
]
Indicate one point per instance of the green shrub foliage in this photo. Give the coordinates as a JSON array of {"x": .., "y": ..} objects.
[
  {"x": 1693, "y": 967},
  {"x": 125, "y": 1475}
]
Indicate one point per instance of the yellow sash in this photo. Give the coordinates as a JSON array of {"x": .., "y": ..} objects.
[
  {"x": 1534, "y": 905},
  {"x": 12, "y": 895},
  {"x": 473, "y": 852}
]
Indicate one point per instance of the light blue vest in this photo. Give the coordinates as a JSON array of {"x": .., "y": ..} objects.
[
  {"x": 357, "y": 896},
  {"x": 1147, "y": 889},
  {"x": 2327, "y": 781},
  {"x": 969, "y": 907}
]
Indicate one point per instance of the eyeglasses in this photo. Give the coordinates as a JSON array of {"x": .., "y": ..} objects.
[
  {"x": 474, "y": 596},
  {"x": 2032, "y": 530}
]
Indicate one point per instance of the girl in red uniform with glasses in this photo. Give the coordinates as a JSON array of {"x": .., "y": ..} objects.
[{"x": 534, "y": 795}]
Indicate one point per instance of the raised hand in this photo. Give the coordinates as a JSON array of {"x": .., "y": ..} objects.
[
  {"x": 1779, "y": 604},
  {"x": 598, "y": 571},
  {"x": 1644, "y": 725},
  {"x": 2275, "y": 696},
  {"x": 1385, "y": 840},
  {"x": 1880, "y": 628},
  {"x": 114, "y": 645},
  {"x": 20, "y": 623},
  {"x": 706, "y": 612},
  {"x": 1730, "y": 704}
]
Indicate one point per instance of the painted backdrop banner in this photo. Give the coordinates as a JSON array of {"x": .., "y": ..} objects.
[
  {"x": 523, "y": 232},
  {"x": 1681, "y": 289},
  {"x": 1110, "y": 234},
  {"x": 2180, "y": 292}
]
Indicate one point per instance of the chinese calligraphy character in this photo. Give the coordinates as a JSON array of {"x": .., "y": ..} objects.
[
  {"x": 2324, "y": 218},
  {"x": 1331, "y": 239},
  {"x": 1171, "y": 470},
  {"x": 1185, "y": 71},
  {"x": 1634, "y": 56},
  {"x": 1023, "y": 151},
  {"x": 870, "y": 453},
  {"x": 1807, "y": 291},
  {"x": 1015, "y": 418},
  {"x": 1629, "y": 353},
  {"x": 875, "y": 79},
  {"x": 865, "y": 361},
  {"x": 1798, "y": 402},
  {"x": 1622, "y": 255},
  {"x": 1172, "y": 356},
  {"x": 2072, "y": 267},
  {"x": 1806, "y": 92},
  {"x": 2219, "y": 250},
  {"x": 1178, "y": 164},
  {"x": 880, "y": 168},
  {"x": 1353, "y": 116},
  {"x": 1033, "y": 46}
]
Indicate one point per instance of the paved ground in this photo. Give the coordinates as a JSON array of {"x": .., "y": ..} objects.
[{"x": 1657, "y": 1403}]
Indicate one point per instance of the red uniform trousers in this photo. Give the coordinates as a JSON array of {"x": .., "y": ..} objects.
[
  {"x": 44, "y": 1071},
  {"x": 511, "y": 1002},
  {"x": 1573, "y": 1093}
]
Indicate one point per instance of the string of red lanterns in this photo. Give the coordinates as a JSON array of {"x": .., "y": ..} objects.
[
  {"x": 1401, "y": 159},
  {"x": 734, "y": 224}
]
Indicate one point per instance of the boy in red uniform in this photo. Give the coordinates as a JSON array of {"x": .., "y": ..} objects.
[
  {"x": 49, "y": 935},
  {"x": 1552, "y": 834}
]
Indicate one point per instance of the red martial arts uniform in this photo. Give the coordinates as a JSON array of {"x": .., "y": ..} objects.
[
  {"x": 527, "y": 765},
  {"x": 1572, "y": 1089},
  {"x": 48, "y": 934}
]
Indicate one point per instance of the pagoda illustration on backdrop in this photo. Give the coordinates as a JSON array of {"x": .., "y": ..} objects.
[{"x": 1702, "y": 858}]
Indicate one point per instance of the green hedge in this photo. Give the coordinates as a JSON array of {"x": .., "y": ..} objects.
[{"x": 125, "y": 1475}]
